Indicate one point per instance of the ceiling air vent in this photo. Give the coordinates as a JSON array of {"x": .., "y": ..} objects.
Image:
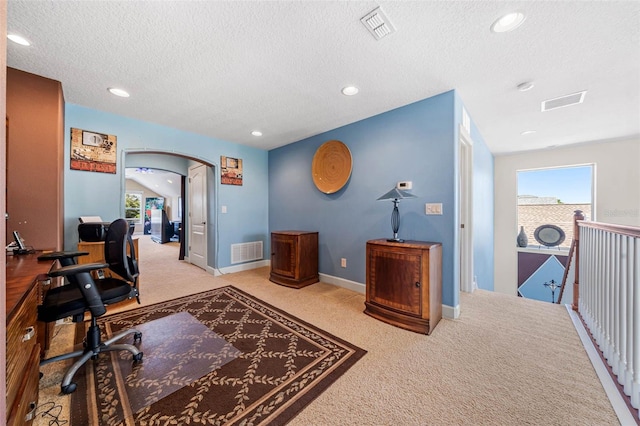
[
  {"x": 563, "y": 101},
  {"x": 377, "y": 23}
]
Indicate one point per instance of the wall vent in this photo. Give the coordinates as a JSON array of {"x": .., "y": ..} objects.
[
  {"x": 563, "y": 101},
  {"x": 377, "y": 23},
  {"x": 245, "y": 252}
]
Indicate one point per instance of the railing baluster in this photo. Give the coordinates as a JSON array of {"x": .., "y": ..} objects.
[
  {"x": 623, "y": 319},
  {"x": 635, "y": 388},
  {"x": 607, "y": 296},
  {"x": 629, "y": 332}
]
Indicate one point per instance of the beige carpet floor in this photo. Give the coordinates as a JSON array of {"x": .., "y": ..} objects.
[{"x": 505, "y": 361}]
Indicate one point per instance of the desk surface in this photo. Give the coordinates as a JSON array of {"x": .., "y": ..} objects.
[{"x": 22, "y": 270}]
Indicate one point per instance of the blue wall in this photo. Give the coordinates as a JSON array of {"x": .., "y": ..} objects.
[
  {"x": 101, "y": 194},
  {"x": 483, "y": 187},
  {"x": 413, "y": 143},
  {"x": 482, "y": 177},
  {"x": 418, "y": 143}
]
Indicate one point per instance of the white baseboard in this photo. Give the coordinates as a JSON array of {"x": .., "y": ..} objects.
[
  {"x": 450, "y": 312},
  {"x": 239, "y": 268},
  {"x": 341, "y": 282},
  {"x": 447, "y": 311}
]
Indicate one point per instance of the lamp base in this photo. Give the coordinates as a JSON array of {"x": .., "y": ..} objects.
[{"x": 395, "y": 240}]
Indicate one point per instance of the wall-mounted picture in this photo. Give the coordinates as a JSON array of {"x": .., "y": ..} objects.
[
  {"x": 92, "y": 151},
  {"x": 231, "y": 171}
]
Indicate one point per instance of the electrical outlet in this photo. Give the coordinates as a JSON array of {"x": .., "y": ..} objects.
[
  {"x": 343, "y": 262},
  {"x": 223, "y": 209}
]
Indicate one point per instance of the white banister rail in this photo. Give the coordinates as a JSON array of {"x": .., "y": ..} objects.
[{"x": 607, "y": 296}]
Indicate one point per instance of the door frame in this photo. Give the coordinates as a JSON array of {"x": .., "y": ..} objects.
[
  {"x": 212, "y": 213},
  {"x": 465, "y": 202}
]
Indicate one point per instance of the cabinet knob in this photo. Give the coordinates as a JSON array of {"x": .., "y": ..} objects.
[
  {"x": 30, "y": 332},
  {"x": 417, "y": 284},
  {"x": 31, "y": 414}
]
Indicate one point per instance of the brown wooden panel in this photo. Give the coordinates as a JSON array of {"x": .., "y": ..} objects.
[
  {"x": 23, "y": 409},
  {"x": 393, "y": 280},
  {"x": 283, "y": 250}
]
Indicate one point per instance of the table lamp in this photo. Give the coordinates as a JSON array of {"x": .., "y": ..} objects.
[{"x": 394, "y": 195}]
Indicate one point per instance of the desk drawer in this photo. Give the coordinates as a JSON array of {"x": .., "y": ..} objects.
[
  {"x": 21, "y": 340},
  {"x": 23, "y": 410}
]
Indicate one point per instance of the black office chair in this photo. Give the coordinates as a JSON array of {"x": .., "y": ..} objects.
[{"x": 84, "y": 294}]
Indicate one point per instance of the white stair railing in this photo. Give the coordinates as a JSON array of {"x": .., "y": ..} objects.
[{"x": 607, "y": 296}]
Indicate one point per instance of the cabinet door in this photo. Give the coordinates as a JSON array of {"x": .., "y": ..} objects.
[
  {"x": 283, "y": 255},
  {"x": 394, "y": 278}
]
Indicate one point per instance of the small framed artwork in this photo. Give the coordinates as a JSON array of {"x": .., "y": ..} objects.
[
  {"x": 230, "y": 171},
  {"x": 93, "y": 152}
]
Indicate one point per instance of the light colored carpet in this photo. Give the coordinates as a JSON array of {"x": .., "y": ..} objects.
[{"x": 505, "y": 361}]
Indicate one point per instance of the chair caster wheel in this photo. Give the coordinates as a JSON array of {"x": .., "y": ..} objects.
[
  {"x": 137, "y": 337},
  {"x": 70, "y": 388},
  {"x": 138, "y": 357}
]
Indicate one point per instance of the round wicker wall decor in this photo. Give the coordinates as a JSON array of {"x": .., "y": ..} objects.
[{"x": 331, "y": 167}]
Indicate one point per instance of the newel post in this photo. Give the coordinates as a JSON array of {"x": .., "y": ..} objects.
[{"x": 577, "y": 215}]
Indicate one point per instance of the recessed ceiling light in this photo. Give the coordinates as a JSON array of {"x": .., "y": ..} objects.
[
  {"x": 528, "y": 132},
  {"x": 527, "y": 85},
  {"x": 256, "y": 133},
  {"x": 118, "y": 92},
  {"x": 350, "y": 90},
  {"x": 508, "y": 22},
  {"x": 18, "y": 39}
]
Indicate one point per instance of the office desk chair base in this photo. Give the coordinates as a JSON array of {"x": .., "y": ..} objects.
[{"x": 93, "y": 347}]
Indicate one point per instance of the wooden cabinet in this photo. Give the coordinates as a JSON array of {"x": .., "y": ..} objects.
[
  {"x": 35, "y": 160},
  {"x": 294, "y": 258},
  {"x": 23, "y": 289},
  {"x": 404, "y": 283}
]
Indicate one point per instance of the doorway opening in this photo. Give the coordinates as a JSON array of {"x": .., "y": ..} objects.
[
  {"x": 547, "y": 200},
  {"x": 179, "y": 211}
]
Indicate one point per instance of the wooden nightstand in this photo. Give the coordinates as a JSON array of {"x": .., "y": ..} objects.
[
  {"x": 294, "y": 258},
  {"x": 404, "y": 283}
]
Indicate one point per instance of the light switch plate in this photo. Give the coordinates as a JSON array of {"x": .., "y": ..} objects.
[{"x": 433, "y": 208}]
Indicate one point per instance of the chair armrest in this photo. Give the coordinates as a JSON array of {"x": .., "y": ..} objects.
[
  {"x": 76, "y": 269},
  {"x": 61, "y": 255}
]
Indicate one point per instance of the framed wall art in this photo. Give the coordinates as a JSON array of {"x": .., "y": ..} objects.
[
  {"x": 230, "y": 171},
  {"x": 93, "y": 152}
]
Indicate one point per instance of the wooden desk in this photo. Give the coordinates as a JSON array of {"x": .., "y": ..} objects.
[
  {"x": 96, "y": 254},
  {"x": 25, "y": 276}
]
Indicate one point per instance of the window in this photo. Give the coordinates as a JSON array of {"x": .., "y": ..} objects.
[
  {"x": 547, "y": 200},
  {"x": 550, "y": 196},
  {"x": 133, "y": 207}
]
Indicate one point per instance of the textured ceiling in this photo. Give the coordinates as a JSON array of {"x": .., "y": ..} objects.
[{"x": 223, "y": 69}]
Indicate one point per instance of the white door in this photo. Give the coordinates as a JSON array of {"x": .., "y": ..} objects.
[
  {"x": 198, "y": 216},
  {"x": 467, "y": 283}
]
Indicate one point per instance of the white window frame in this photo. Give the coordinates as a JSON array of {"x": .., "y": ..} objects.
[{"x": 138, "y": 194}]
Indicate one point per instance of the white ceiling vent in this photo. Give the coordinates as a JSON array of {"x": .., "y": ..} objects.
[
  {"x": 378, "y": 24},
  {"x": 563, "y": 101}
]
